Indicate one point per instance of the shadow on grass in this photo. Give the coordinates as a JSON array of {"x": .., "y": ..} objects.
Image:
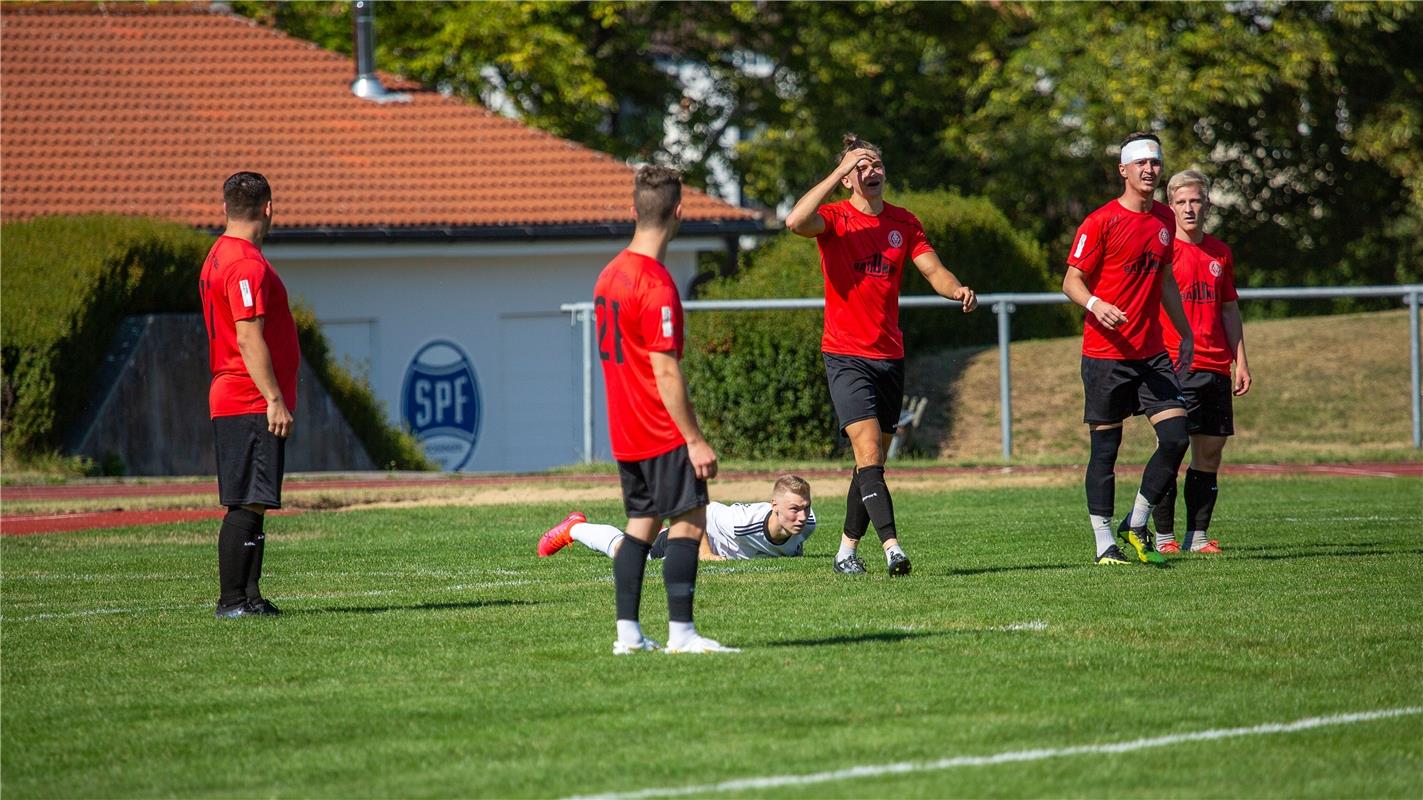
[
  {"x": 956, "y": 573},
  {"x": 422, "y": 607},
  {"x": 862, "y": 638},
  {"x": 1341, "y": 553}
]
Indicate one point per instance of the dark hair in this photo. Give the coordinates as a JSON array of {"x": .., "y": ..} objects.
[
  {"x": 853, "y": 142},
  {"x": 1136, "y": 135},
  {"x": 246, "y": 194},
  {"x": 656, "y": 191}
]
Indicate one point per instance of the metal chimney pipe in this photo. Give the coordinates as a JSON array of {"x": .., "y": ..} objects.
[{"x": 366, "y": 85}]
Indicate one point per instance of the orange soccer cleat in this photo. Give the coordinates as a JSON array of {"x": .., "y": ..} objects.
[
  {"x": 1169, "y": 546},
  {"x": 560, "y": 535}
]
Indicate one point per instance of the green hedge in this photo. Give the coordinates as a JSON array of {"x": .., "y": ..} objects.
[
  {"x": 69, "y": 282},
  {"x": 757, "y": 379}
]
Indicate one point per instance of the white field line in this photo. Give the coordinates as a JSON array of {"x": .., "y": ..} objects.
[
  {"x": 92, "y": 612},
  {"x": 1007, "y": 757}
]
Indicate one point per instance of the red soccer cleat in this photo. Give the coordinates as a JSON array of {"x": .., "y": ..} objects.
[
  {"x": 1168, "y": 547},
  {"x": 1213, "y": 546},
  {"x": 559, "y": 536}
]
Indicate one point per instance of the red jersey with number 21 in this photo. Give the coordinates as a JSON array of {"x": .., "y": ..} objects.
[
  {"x": 238, "y": 283},
  {"x": 638, "y": 313},
  {"x": 863, "y": 257},
  {"x": 1205, "y": 274},
  {"x": 1122, "y": 253}
]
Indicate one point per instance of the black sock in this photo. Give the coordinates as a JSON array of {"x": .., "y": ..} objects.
[
  {"x": 1171, "y": 443},
  {"x": 628, "y": 566},
  {"x": 238, "y": 528},
  {"x": 254, "y": 559},
  {"x": 857, "y": 519},
  {"x": 1102, "y": 472},
  {"x": 875, "y": 495},
  {"x": 1164, "y": 514},
  {"x": 1200, "y": 498},
  {"x": 679, "y": 572}
]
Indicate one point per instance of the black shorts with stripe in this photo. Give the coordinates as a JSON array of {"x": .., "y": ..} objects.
[
  {"x": 865, "y": 388},
  {"x": 664, "y": 486},
  {"x": 251, "y": 461}
]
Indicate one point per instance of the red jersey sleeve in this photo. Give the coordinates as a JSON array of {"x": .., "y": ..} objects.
[
  {"x": 1088, "y": 246},
  {"x": 1227, "y": 279},
  {"x": 832, "y": 228},
  {"x": 658, "y": 321},
  {"x": 918, "y": 240},
  {"x": 246, "y": 289}
]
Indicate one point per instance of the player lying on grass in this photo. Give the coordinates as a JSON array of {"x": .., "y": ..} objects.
[
  {"x": 734, "y": 532},
  {"x": 1204, "y": 269}
]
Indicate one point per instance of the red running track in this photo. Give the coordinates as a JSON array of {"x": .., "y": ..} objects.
[{"x": 26, "y": 524}]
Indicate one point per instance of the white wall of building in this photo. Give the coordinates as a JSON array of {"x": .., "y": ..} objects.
[{"x": 379, "y": 304}]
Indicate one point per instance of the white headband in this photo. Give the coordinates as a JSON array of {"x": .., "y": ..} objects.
[{"x": 1139, "y": 149}]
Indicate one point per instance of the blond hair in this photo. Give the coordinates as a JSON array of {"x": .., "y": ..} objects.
[
  {"x": 1188, "y": 177},
  {"x": 793, "y": 484}
]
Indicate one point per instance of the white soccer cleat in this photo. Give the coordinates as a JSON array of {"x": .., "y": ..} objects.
[
  {"x": 621, "y": 648},
  {"x": 701, "y": 644}
]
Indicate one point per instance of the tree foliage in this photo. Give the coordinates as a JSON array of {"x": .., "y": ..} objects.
[{"x": 1307, "y": 114}]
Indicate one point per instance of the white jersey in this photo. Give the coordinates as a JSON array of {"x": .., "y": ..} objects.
[{"x": 738, "y": 531}]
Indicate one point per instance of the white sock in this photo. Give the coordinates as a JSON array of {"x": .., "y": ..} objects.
[
  {"x": 602, "y": 538},
  {"x": 846, "y": 550},
  {"x": 1140, "y": 512},
  {"x": 629, "y": 631},
  {"x": 1195, "y": 540},
  {"x": 1102, "y": 530},
  {"x": 679, "y": 633},
  {"x": 891, "y": 551}
]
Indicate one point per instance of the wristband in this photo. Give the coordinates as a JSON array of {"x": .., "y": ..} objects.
[{"x": 1094, "y": 298}]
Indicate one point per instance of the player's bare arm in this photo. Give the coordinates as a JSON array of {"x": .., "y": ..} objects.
[
  {"x": 1176, "y": 310},
  {"x": 672, "y": 388},
  {"x": 944, "y": 282},
  {"x": 1074, "y": 285},
  {"x": 258, "y": 360},
  {"x": 803, "y": 219},
  {"x": 1235, "y": 337}
]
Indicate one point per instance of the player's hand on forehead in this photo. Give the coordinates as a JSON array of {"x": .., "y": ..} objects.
[{"x": 854, "y": 159}]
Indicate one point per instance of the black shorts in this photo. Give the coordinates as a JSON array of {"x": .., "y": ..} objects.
[
  {"x": 250, "y": 461},
  {"x": 865, "y": 388},
  {"x": 1208, "y": 403},
  {"x": 663, "y": 486},
  {"x": 1116, "y": 389}
]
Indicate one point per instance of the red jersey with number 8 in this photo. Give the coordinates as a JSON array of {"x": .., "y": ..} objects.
[
  {"x": 1121, "y": 254},
  {"x": 1205, "y": 274},
  {"x": 863, "y": 257},
  {"x": 237, "y": 283},
  {"x": 638, "y": 313}
]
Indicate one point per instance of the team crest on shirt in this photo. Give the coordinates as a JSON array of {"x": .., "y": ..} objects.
[
  {"x": 1215, "y": 268},
  {"x": 1164, "y": 236},
  {"x": 895, "y": 239}
]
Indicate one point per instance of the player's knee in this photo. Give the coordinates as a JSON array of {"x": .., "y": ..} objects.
[
  {"x": 1172, "y": 437},
  {"x": 1105, "y": 444}
]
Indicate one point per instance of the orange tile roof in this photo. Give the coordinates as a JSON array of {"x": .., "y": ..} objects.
[{"x": 145, "y": 109}]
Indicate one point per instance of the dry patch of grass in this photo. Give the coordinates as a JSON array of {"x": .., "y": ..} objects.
[{"x": 1327, "y": 388}]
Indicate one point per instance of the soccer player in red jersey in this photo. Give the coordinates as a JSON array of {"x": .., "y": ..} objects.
[
  {"x": 664, "y": 461},
  {"x": 1117, "y": 269},
  {"x": 253, "y": 355},
  {"x": 865, "y": 244},
  {"x": 1204, "y": 269}
]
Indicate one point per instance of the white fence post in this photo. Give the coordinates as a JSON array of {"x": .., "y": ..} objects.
[{"x": 1005, "y": 379}]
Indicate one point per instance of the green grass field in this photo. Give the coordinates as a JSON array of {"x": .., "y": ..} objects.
[{"x": 427, "y": 652}]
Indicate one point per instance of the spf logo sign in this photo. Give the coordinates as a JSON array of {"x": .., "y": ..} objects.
[{"x": 441, "y": 404}]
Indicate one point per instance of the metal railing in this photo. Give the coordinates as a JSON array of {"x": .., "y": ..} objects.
[{"x": 1003, "y": 305}]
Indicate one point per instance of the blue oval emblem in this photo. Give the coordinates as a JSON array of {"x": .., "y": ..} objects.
[{"x": 440, "y": 403}]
